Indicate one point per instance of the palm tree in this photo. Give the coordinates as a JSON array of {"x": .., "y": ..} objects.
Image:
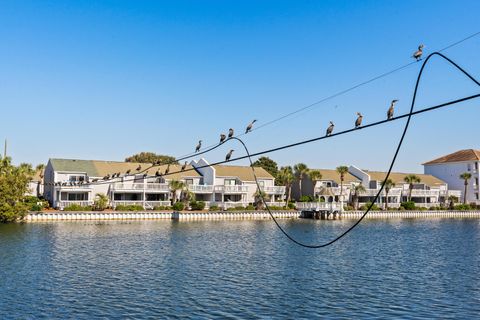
[
  {"x": 388, "y": 185},
  {"x": 286, "y": 176},
  {"x": 411, "y": 179},
  {"x": 342, "y": 171},
  {"x": 314, "y": 175},
  {"x": 41, "y": 173},
  {"x": 101, "y": 201},
  {"x": 300, "y": 170},
  {"x": 176, "y": 186},
  {"x": 465, "y": 177},
  {"x": 259, "y": 196},
  {"x": 357, "y": 190},
  {"x": 452, "y": 199}
]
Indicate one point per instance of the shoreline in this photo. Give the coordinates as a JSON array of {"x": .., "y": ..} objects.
[{"x": 234, "y": 215}]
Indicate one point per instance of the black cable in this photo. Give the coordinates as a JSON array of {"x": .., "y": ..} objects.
[{"x": 386, "y": 177}]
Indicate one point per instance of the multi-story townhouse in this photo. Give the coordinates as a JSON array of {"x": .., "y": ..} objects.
[
  {"x": 451, "y": 166},
  {"x": 125, "y": 183}
]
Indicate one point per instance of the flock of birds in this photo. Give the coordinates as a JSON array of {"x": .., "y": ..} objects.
[{"x": 417, "y": 55}]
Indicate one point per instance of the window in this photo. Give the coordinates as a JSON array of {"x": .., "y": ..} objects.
[
  {"x": 476, "y": 181},
  {"x": 189, "y": 182},
  {"x": 261, "y": 183},
  {"x": 76, "y": 178},
  {"x": 230, "y": 182},
  {"x": 476, "y": 195},
  {"x": 469, "y": 167},
  {"x": 66, "y": 196},
  {"x": 476, "y": 166}
]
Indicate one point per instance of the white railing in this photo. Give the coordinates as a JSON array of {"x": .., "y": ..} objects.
[
  {"x": 69, "y": 187},
  {"x": 317, "y": 206},
  {"x": 335, "y": 190},
  {"x": 127, "y": 203},
  {"x": 373, "y": 192},
  {"x": 232, "y": 189},
  {"x": 273, "y": 189},
  {"x": 198, "y": 188},
  {"x": 65, "y": 203},
  {"x": 153, "y": 204},
  {"x": 423, "y": 193},
  {"x": 277, "y": 203},
  {"x": 141, "y": 186},
  {"x": 456, "y": 193}
]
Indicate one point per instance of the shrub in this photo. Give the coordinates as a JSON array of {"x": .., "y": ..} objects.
[
  {"x": 197, "y": 205},
  {"x": 408, "y": 205},
  {"x": 214, "y": 208},
  {"x": 178, "y": 206},
  {"x": 131, "y": 207},
  {"x": 306, "y": 199},
  {"x": 348, "y": 208},
  {"x": 291, "y": 205},
  {"x": 36, "y": 207},
  {"x": 101, "y": 202},
  {"x": 462, "y": 207},
  {"x": 367, "y": 205},
  {"x": 250, "y": 207},
  {"x": 35, "y": 204},
  {"x": 77, "y": 207}
]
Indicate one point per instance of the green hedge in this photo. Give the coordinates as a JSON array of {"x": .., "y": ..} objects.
[
  {"x": 178, "y": 206},
  {"x": 197, "y": 205},
  {"x": 77, "y": 207},
  {"x": 130, "y": 207}
]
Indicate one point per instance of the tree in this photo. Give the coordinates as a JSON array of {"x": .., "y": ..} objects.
[
  {"x": 286, "y": 178},
  {"x": 101, "y": 202},
  {"x": 13, "y": 187},
  {"x": 411, "y": 179},
  {"x": 259, "y": 197},
  {"x": 175, "y": 187},
  {"x": 40, "y": 169},
  {"x": 465, "y": 177},
  {"x": 268, "y": 164},
  {"x": 314, "y": 175},
  {"x": 357, "y": 190},
  {"x": 388, "y": 185},
  {"x": 342, "y": 171},
  {"x": 151, "y": 157},
  {"x": 452, "y": 200},
  {"x": 300, "y": 170}
]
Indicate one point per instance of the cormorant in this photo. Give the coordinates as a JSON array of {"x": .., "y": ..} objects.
[
  {"x": 418, "y": 54},
  {"x": 250, "y": 126},
  {"x": 358, "y": 122},
  {"x": 184, "y": 166},
  {"x": 230, "y": 133},
  {"x": 330, "y": 128},
  {"x": 229, "y": 155},
  {"x": 199, "y": 145},
  {"x": 139, "y": 168},
  {"x": 391, "y": 109},
  {"x": 222, "y": 138}
]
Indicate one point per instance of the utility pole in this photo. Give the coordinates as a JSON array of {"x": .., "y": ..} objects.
[{"x": 5, "y": 150}]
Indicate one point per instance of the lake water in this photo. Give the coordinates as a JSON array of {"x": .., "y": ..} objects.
[{"x": 240, "y": 269}]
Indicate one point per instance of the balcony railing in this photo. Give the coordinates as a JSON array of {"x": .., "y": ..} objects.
[
  {"x": 198, "y": 188},
  {"x": 163, "y": 187},
  {"x": 317, "y": 206},
  {"x": 69, "y": 187},
  {"x": 335, "y": 190},
  {"x": 273, "y": 189},
  {"x": 232, "y": 189},
  {"x": 65, "y": 203},
  {"x": 423, "y": 193},
  {"x": 144, "y": 204},
  {"x": 373, "y": 192}
]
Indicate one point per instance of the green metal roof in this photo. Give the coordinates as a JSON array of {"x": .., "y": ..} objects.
[{"x": 74, "y": 165}]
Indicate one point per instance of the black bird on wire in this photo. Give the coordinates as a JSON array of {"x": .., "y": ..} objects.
[
  {"x": 145, "y": 175},
  {"x": 330, "y": 128},
  {"x": 199, "y": 145},
  {"x": 230, "y": 133},
  {"x": 168, "y": 169},
  {"x": 391, "y": 109},
  {"x": 229, "y": 155},
  {"x": 250, "y": 126},
  {"x": 222, "y": 138},
  {"x": 418, "y": 54},
  {"x": 128, "y": 172},
  {"x": 139, "y": 168},
  {"x": 158, "y": 174},
  {"x": 358, "y": 122},
  {"x": 184, "y": 166}
]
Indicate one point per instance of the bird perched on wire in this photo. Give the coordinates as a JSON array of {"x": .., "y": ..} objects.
[
  {"x": 418, "y": 54},
  {"x": 128, "y": 171},
  {"x": 168, "y": 169},
  {"x": 199, "y": 145},
  {"x": 139, "y": 168},
  {"x": 230, "y": 133},
  {"x": 222, "y": 138},
  {"x": 184, "y": 166},
  {"x": 158, "y": 174},
  {"x": 358, "y": 122},
  {"x": 250, "y": 126},
  {"x": 330, "y": 129},
  {"x": 145, "y": 175},
  {"x": 391, "y": 109},
  {"x": 229, "y": 155}
]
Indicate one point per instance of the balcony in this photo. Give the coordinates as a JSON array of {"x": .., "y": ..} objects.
[
  {"x": 76, "y": 187},
  {"x": 144, "y": 204},
  {"x": 160, "y": 187},
  {"x": 335, "y": 190},
  {"x": 373, "y": 192},
  {"x": 198, "y": 188},
  {"x": 273, "y": 190},
  {"x": 423, "y": 193},
  {"x": 231, "y": 189}
]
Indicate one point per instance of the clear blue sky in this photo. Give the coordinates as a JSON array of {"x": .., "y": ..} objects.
[{"x": 106, "y": 79}]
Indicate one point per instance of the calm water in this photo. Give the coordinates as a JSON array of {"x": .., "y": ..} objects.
[{"x": 239, "y": 269}]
